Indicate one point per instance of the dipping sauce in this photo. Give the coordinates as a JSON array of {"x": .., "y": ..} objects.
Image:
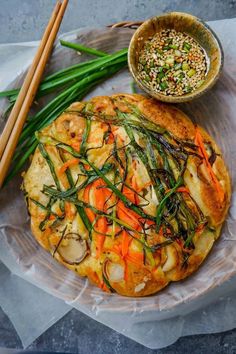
[{"x": 172, "y": 63}]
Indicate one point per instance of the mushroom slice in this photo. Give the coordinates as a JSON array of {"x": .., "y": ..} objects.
[
  {"x": 114, "y": 272},
  {"x": 72, "y": 248}
]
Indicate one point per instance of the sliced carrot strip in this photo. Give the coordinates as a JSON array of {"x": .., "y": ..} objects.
[
  {"x": 110, "y": 229},
  {"x": 52, "y": 217},
  {"x": 95, "y": 278},
  {"x": 99, "y": 244},
  {"x": 134, "y": 259},
  {"x": 99, "y": 194},
  {"x": 90, "y": 215},
  {"x": 126, "y": 239},
  {"x": 116, "y": 249},
  {"x": 130, "y": 213},
  {"x": 104, "y": 287},
  {"x": 126, "y": 271},
  {"x": 110, "y": 139},
  {"x": 129, "y": 194},
  {"x": 76, "y": 146},
  {"x": 180, "y": 190},
  {"x": 123, "y": 251},
  {"x": 101, "y": 226},
  {"x": 168, "y": 231},
  {"x": 148, "y": 222},
  {"x": 136, "y": 255},
  {"x": 154, "y": 269},
  {"x": 69, "y": 211},
  {"x": 200, "y": 228},
  {"x": 161, "y": 231},
  {"x": 102, "y": 194},
  {"x": 87, "y": 167},
  {"x": 199, "y": 142},
  {"x": 67, "y": 164},
  {"x": 128, "y": 216},
  {"x": 109, "y": 195}
]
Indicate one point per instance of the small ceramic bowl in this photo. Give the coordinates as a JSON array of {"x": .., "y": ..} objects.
[{"x": 192, "y": 26}]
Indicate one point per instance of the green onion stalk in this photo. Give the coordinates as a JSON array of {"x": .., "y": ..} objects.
[{"x": 70, "y": 84}]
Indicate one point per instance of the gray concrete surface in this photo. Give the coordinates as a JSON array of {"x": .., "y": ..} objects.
[
  {"x": 24, "y": 20},
  {"x": 85, "y": 336}
]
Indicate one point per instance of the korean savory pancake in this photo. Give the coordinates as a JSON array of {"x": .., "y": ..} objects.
[{"x": 128, "y": 192}]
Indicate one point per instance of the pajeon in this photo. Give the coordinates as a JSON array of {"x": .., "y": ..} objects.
[{"x": 127, "y": 191}]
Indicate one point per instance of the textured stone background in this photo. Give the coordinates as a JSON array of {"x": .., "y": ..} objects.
[{"x": 24, "y": 20}]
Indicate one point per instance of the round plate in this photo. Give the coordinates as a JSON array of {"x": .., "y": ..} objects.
[{"x": 216, "y": 113}]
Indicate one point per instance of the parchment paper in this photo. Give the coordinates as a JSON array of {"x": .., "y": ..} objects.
[{"x": 159, "y": 320}]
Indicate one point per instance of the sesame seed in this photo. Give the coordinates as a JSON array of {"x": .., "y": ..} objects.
[{"x": 172, "y": 63}]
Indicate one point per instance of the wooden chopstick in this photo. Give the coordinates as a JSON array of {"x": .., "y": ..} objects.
[
  {"x": 13, "y": 128},
  {"x": 17, "y": 106}
]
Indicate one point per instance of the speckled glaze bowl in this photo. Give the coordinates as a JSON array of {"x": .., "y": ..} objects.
[{"x": 191, "y": 25}]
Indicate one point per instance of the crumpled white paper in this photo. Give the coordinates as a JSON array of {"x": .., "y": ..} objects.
[
  {"x": 31, "y": 310},
  {"x": 204, "y": 303}
]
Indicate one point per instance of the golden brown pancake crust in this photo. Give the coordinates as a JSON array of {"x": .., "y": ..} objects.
[{"x": 135, "y": 278}]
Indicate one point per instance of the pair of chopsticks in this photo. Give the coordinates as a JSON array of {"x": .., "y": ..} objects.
[{"x": 16, "y": 120}]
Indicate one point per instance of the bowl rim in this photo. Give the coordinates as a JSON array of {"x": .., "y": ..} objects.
[{"x": 194, "y": 94}]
